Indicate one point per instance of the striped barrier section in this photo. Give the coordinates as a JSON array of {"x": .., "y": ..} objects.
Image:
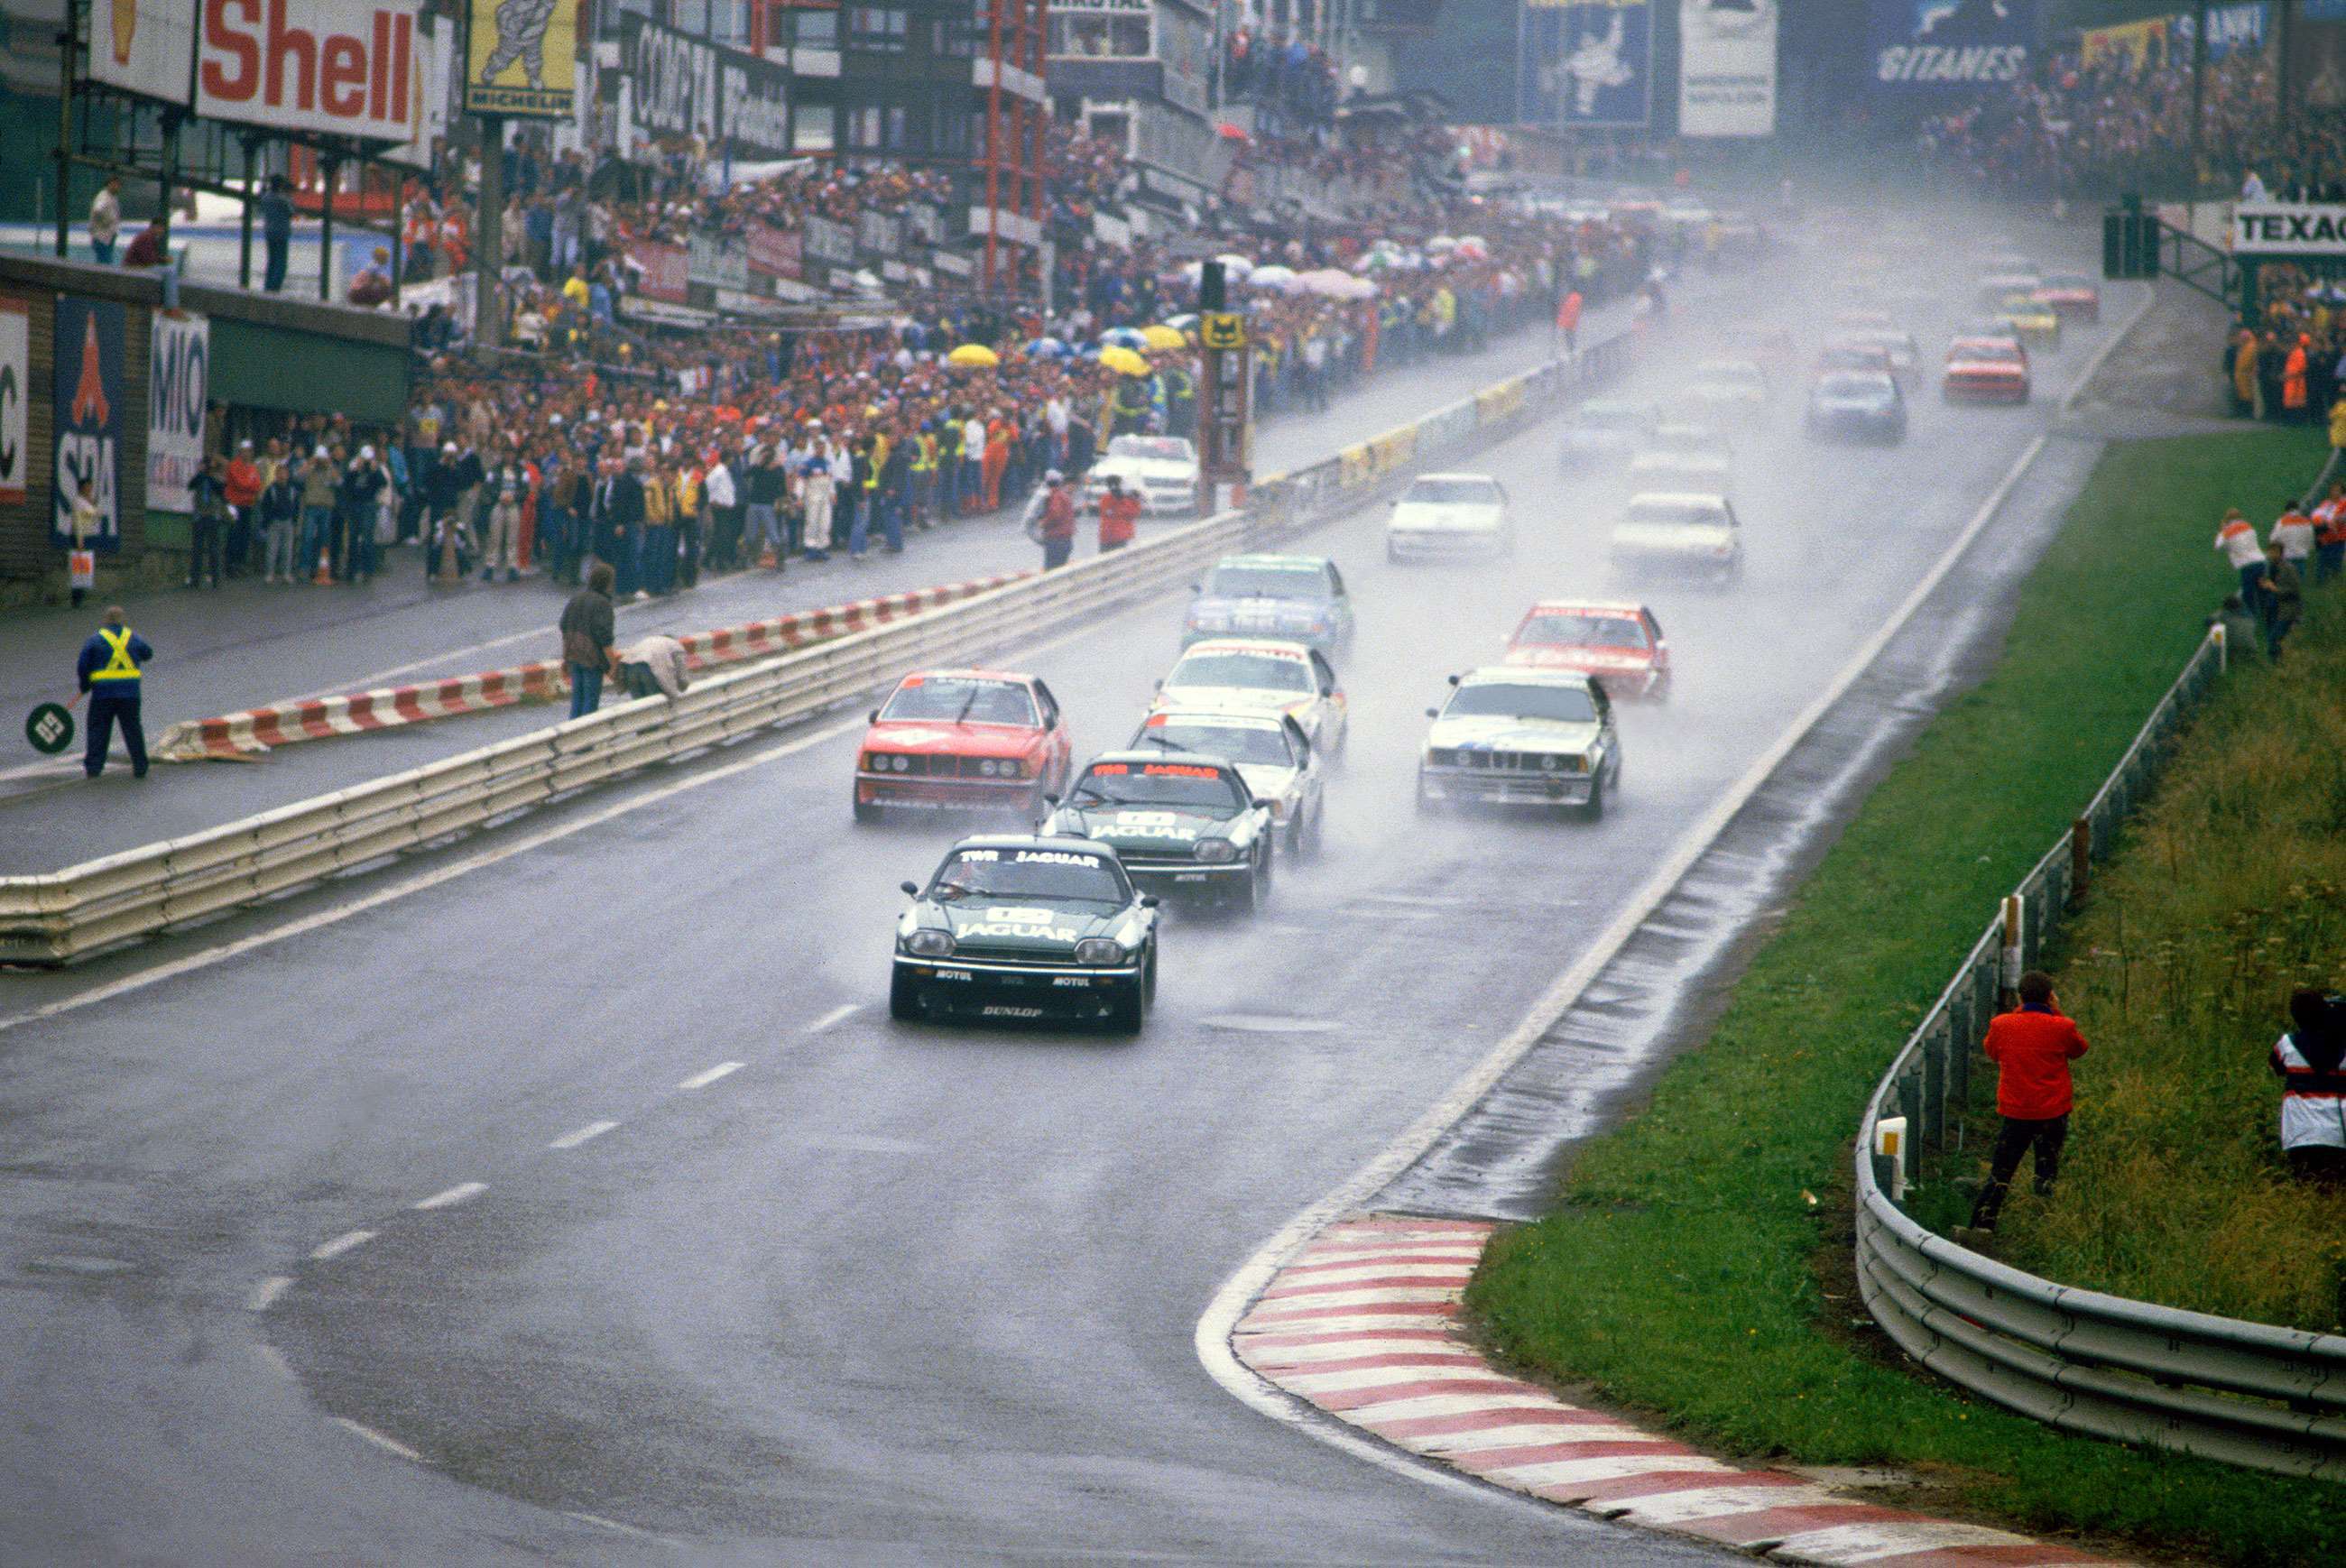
[
  {"x": 238, "y": 737},
  {"x": 1364, "y": 1324}
]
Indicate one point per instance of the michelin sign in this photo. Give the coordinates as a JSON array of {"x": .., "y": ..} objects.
[
  {"x": 1586, "y": 65},
  {"x": 1922, "y": 46}
]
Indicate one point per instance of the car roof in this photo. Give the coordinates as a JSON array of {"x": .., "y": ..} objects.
[
  {"x": 1678, "y": 498},
  {"x": 1584, "y": 607},
  {"x": 1484, "y": 478},
  {"x": 1032, "y": 842},
  {"x": 1525, "y": 675},
  {"x": 1160, "y": 756},
  {"x": 1271, "y": 558},
  {"x": 1004, "y": 675},
  {"x": 1211, "y": 716},
  {"x": 1283, "y": 647}
]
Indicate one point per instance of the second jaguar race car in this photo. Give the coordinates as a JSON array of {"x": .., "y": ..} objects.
[
  {"x": 1181, "y": 822},
  {"x": 1272, "y": 754},
  {"x": 1023, "y": 929}
]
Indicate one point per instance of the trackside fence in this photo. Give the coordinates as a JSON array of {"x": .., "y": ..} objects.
[
  {"x": 67, "y": 915},
  {"x": 2247, "y": 1394}
]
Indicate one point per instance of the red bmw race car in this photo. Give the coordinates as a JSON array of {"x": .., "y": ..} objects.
[
  {"x": 1620, "y": 645},
  {"x": 963, "y": 741},
  {"x": 1986, "y": 370},
  {"x": 2074, "y": 296}
]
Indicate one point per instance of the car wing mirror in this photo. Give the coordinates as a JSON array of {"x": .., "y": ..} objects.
[
  {"x": 912, "y": 889},
  {"x": 1432, "y": 713},
  {"x": 1052, "y": 802},
  {"x": 1453, "y": 680},
  {"x": 1150, "y": 900},
  {"x": 874, "y": 717},
  {"x": 1263, "y": 804}
]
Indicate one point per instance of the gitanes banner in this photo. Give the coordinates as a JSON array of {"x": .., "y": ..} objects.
[
  {"x": 1586, "y": 65},
  {"x": 178, "y": 374},
  {"x": 1726, "y": 67},
  {"x": 1933, "y": 46},
  {"x": 85, "y": 419}
]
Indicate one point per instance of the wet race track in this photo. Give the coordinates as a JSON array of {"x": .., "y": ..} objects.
[{"x": 754, "y": 1270}]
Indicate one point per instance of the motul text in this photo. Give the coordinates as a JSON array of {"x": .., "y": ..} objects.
[{"x": 346, "y": 67}]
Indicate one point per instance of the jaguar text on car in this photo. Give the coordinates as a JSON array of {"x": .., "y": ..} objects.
[
  {"x": 1450, "y": 516},
  {"x": 962, "y": 739},
  {"x": 1023, "y": 929},
  {"x": 1298, "y": 596},
  {"x": 1261, "y": 675},
  {"x": 1181, "y": 824},
  {"x": 1618, "y": 644},
  {"x": 1512, "y": 736},
  {"x": 1270, "y": 752}
]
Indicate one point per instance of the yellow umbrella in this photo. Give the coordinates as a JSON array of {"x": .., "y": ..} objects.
[
  {"x": 1123, "y": 362},
  {"x": 1165, "y": 337},
  {"x": 973, "y": 356}
]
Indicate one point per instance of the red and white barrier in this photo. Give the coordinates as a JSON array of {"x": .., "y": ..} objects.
[{"x": 243, "y": 736}]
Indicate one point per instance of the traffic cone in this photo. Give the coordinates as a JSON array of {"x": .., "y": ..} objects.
[{"x": 325, "y": 577}]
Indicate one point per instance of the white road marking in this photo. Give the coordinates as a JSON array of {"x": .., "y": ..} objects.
[
  {"x": 1457, "y": 1269},
  {"x": 1436, "y": 1318},
  {"x": 1612, "y": 1467},
  {"x": 1419, "y": 1368},
  {"x": 702, "y": 1080},
  {"x": 1348, "y": 1348},
  {"x": 341, "y": 1243},
  {"x": 1888, "y": 1538},
  {"x": 1372, "y": 1416},
  {"x": 388, "y": 1444},
  {"x": 271, "y": 1357},
  {"x": 265, "y": 1294},
  {"x": 599, "y": 1523},
  {"x": 462, "y": 1192},
  {"x": 572, "y": 1139},
  {"x": 1220, "y": 1322},
  {"x": 1719, "y": 1502},
  {"x": 1524, "y": 1434},
  {"x": 835, "y": 1017}
]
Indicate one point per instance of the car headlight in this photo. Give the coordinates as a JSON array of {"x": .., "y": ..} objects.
[
  {"x": 901, "y": 764},
  {"x": 1554, "y": 761},
  {"x": 929, "y": 943},
  {"x": 1099, "y": 949},
  {"x": 1217, "y": 852},
  {"x": 986, "y": 769}
]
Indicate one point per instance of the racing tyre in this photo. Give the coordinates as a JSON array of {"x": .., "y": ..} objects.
[
  {"x": 1424, "y": 806},
  {"x": 904, "y": 999},
  {"x": 865, "y": 813},
  {"x": 1595, "y": 810},
  {"x": 1129, "y": 1011}
]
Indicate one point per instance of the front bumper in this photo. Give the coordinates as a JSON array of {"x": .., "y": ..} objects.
[
  {"x": 1445, "y": 546},
  {"x": 1857, "y": 427},
  {"x": 1190, "y": 878},
  {"x": 1680, "y": 567},
  {"x": 1503, "y": 787},
  {"x": 908, "y": 792},
  {"x": 1016, "y": 993},
  {"x": 1324, "y": 639},
  {"x": 1999, "y": 392}
]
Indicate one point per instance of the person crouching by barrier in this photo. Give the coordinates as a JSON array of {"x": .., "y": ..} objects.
[
  {"x": 655, "y": 666},
  {"x": 2032, "y": 1048},
  {"x": 110, "y": 670},
  {"x": 2307, "y": 1060},
  {"x": 590, "y": 628}
]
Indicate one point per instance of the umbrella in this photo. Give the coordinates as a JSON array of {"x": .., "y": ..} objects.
[
  {"x": 1327, "y": 280},
  {"x": 1123, "y": 361},
  {"x": 1442, "y": 242},
  {"x": 1046, "y": 348},
  {"x": 973, "y": 356},
  {"x": 1164, "y": 338},
  {"x": 1234, "y": 263},
  {"x": 1229, "y": 132},
  {"x": 1185, "y": 322},
  {"x": 1474, "y": 249},
  {"x": 1124, "y": 338},
  {"x": 1280, "y": 278}
]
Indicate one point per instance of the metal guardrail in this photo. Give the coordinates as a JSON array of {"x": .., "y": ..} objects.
[
  {"x": 67, "y": 915},
  {"x": 2246, "y": 1393}
]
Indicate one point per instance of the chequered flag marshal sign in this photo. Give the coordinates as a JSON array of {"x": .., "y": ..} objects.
[{"x": 49, "y": 727}]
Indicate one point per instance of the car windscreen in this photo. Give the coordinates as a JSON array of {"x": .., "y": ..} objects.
[
  {"x": 1029, "y": 874},
  {"x": 1854, "y": 387},
  {"x": 1454, "y": 492},
  {"x": 1231, "y": 742},
  {"x": 959, "y": 699},
  {"x": 1249, "y": 671},
  {"x": 1154, "y": 448},
  {"x": 1269, "y": 583},
  {"x": 1678, "y": 514},
  {"x": 1564, "y": 704},
  {"x": 1852, "y": 358},
  {"x": 1582, "y": 632},
  {"x": 1188, "y": 785}
]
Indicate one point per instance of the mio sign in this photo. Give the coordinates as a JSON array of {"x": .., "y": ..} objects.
[{"x": 338, "y": 67}]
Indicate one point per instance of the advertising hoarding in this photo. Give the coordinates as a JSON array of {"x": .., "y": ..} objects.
[
  {"x": 1586, "y": 65},
  {"x": 16, "y": 373},
  {"x": 1726, "y": 67},
  {"x": 178, "y": 376},
  {"x": 521, "y": 58},
  {"x": 332, "y": 68},
  {"x": 1924, "y": 48},
  {"x": 143, "y": 47},
  {"x": 85, "y": 417}
]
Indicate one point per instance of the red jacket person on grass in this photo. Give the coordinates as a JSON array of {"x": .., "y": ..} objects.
[{"x": 2032, "y": 1048}]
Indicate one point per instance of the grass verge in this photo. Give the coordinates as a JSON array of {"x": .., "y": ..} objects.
[{"x": 1698, "y": 1264}]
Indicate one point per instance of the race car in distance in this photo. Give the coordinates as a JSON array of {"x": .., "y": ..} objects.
[
  {"x": 1986, "y": 370},
  {"x": 1450, "y": 516},
  {"x": 1863, "y": 405},
  {"x": 1619, "y": 645},
  {"x": 1298, "y": 596},
  {"x": 1021, "y": 928},
  {"x": 2034, "y": 323},
  {"x": 1678, "y": 533},
  {"x": 1854, "y": 353},
  {"x": 1162, "y": 470},
  {"x": 2073, "y": 296},
  {"x": 1899, "y": 345},
  {"x": 963, "y": 741},
  {"x": 1605, "y": 429},
  {"x": 1180, "y": 822},
  {"x": 1995, "y": 288},
  {"x": 1728, "y": 392},
  {"x": 1510, "y": 735},
  {"x": 1651, "y": 471},
  {"x": 1270, "y": 752},
  {"x": 1259, "y": 674},
  {"x": 1697, "y": 440}
]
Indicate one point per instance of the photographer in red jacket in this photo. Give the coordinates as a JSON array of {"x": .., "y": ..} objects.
[{"x": 2031, "y": 1049}]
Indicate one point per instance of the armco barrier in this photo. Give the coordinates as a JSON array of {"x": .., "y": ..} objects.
[
  {"x": 67, "y": 915},
  {"x": 240, "y": 736},
  {"x": 2247, "y": 1394}
]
